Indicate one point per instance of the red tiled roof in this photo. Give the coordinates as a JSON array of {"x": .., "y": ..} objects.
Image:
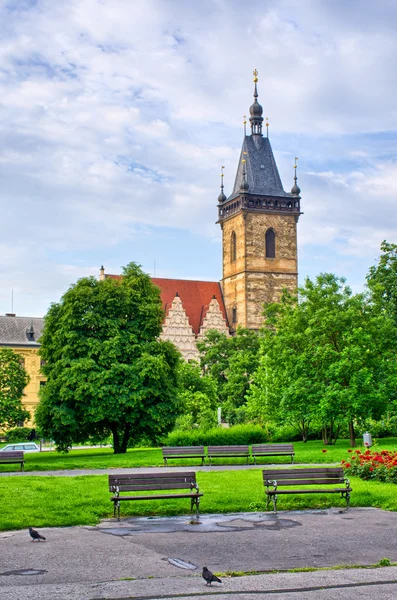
[{"x": 195, "y": 296}]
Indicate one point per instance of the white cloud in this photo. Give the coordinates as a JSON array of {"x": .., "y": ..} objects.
[{"x": 117, "y": 115}]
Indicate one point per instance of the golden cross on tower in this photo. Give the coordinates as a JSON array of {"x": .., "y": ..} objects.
[{"x": 255, "y": 74}]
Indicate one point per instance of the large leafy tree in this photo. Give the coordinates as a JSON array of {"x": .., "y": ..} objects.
[
  {"x": 331, "y": 357},
  {"x": 231, "y": 362},
  {"x": 13, "y": 380},
  {"x": 107, "y": 370}
]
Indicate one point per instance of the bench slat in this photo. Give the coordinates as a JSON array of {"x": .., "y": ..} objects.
[
  {"x": 129, "y": 487},
  {"x": 171, "y": 451},
  {"x": 227, "y": 449},
  {"x": 326, "y": 491},
  {"x": 159, "y": 497},
  {"x": 280, "y": 473},
  {"x": 317, "y": 481}
]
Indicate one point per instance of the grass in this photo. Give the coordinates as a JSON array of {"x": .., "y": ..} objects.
[
  {"x": 103, "y": 458},
  {"x": 84, "y": 500}
]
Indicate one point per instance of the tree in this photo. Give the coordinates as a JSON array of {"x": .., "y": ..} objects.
[
  {"x": 331, "y": 356},
  {"x": 107, "y": 371},
  {"x": 231, "y": 362},
  {"x": 382, "y": 281},
  {"x": 198, "y": 397},
  {"x": 13, "y": 380}
]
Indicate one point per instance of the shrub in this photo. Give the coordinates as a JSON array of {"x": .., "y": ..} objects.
[
  {"x": 219, "y": 436},
  {"x": 19, "y": 434}
]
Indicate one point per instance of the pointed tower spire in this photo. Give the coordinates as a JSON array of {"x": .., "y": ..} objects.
[
  {"x": 222, "y": 197},
  {"x": 256, "y": 110},
  {"x": 295, "y": 190},
  {"x": 244, "y": 183}
]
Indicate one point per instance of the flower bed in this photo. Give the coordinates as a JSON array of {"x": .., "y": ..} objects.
[{"x": 380, "y": 465}]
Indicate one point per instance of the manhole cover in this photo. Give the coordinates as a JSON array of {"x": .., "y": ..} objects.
[
  {"x": 25, "y": 572},
  {"x": 182, "y": 564}
]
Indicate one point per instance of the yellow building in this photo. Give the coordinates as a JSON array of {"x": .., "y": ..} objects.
[{"x": 21, "y": 334}]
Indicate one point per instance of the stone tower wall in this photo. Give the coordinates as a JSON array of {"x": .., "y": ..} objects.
[{"x": 253, "y": 279}]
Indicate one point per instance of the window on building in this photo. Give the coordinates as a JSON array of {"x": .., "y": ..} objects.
[
  {"x": 234, "y": 315},
  {"x": 233, "y": 247},
  {"x": 270, "y": 239}
]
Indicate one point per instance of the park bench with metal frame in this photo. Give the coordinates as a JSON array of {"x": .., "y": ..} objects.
[
  {"x": 313, "y": 476},
  {"x": 7, "y": 458},
  {"x": 183, "y": 452},
  {"x": 228, "y": 452},
  {"x": 147, "y": 482},
  {"x": 273, "y": 450}
]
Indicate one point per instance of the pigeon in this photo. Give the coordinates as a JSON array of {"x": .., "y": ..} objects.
[
  {"x": 210, "y": 577},
  {"x": 35, "y": 535}
]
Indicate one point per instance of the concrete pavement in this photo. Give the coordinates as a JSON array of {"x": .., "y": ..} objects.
[{"x": 152, "y": 558}]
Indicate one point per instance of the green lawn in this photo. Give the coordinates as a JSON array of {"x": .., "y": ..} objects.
[
  {"x": 66, "y": 501},
  {"x": 103, "y": 458}
]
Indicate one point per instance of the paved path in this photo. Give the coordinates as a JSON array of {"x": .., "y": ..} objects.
[
  {"x": 114, "y": 470},
  {"x": 131, "y": 558}
]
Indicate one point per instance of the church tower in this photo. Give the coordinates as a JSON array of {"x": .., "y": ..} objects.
[{"x": 258, "y": 222}]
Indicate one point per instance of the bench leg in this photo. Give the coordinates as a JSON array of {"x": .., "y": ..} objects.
[
  {"x": 202, "y": 461},
  {"x": 116, "y": 506},
  {"x": 165, "y": 462},
  {"x": 346, "y": 496},
  {"x": 267, "y": 501},
  {"x": 22, "y": 466},
  {"x": 195, "y": 502},
  {"x": 275, "y": 502}
]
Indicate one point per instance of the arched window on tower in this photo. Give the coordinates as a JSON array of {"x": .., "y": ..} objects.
[
  {"x": 233, "y": 247},
  {"x": 270, "y": 240}
]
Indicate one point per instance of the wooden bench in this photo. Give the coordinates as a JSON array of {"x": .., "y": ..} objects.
[
  {"x": 228, "y": 452},
  {"x": 273, "y": 450},
  {"x": 151, "y": 482},
  {"x": 183, "y": 452},
  {"x": 314, "y": 476},
  {"x": 16, "y": 456}
]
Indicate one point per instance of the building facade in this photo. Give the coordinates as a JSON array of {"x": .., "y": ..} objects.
[{"x": 21, "y": 335}]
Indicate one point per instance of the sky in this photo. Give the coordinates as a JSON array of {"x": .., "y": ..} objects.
[{"x": 116, "y": 116}]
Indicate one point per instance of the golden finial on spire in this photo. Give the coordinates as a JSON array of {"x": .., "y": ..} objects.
[
  {"x": 243, "y": 161},
  {"x": 267, "y": 126},
  {"x": 255, "y": 74},
  {"x": 222, "y": 167},
  {"x": 295, "y": 165}
]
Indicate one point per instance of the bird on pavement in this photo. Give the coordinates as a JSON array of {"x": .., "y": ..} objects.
[
  {"x": 35, "y": 535},
  {"x": 209, "y": 577}
]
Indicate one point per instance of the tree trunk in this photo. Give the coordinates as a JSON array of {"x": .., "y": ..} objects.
[
  {"x": 325, "y": 435},
  {"x": 116, "y": 439},
  {"x": 126, "y": 438},
  {"x": 352, "y": 434}
]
